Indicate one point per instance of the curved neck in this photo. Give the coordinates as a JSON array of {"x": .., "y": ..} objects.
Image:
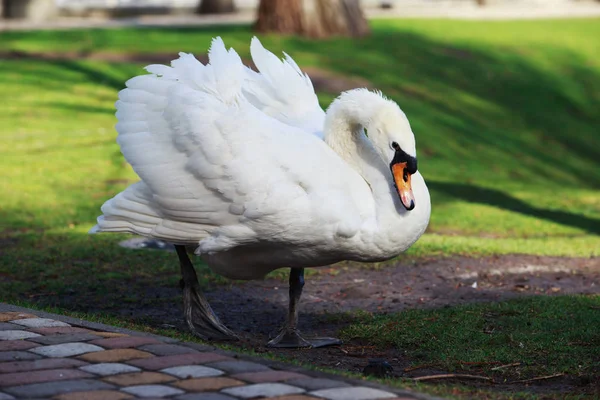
[
  {"x": 345, "y": 122},
  {"x": 346, "y": 119},
  {"x": 391, "y": 228}
]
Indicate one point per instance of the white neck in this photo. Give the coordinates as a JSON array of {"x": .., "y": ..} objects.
[{"x": 346, "y": 119}]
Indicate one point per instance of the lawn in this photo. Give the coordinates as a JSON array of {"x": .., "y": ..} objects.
[
  {"x": 508, "y": 341},
  {"x": 506, "y": 116}
]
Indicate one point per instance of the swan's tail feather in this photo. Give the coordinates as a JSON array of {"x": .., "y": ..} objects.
[
  {"x": 129, "y": 211},
  {"x": 133, "y": 211}
]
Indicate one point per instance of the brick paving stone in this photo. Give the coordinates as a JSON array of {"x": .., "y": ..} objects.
[
  {"x": 192, "y": 371},
  {"x": 49, "y": 389},
  {"x": 16, "y": 335},
  {"x": 317, "y": 383},
  {"x": 66, "y": 349},
  {"x": 268, "y": 376},
  {"x": 164, "y": 349},
  {"x": 64, "y": 338},
  {"x": 353, "y": 393},
  {"x": 205, "y": 396},
  {"x": 237, "y": 367},
  {"x": 207, "y": 384},
  {"x": 110, "y": 334},
  {"x": 60, "y": 330},
  {"x": 152, "y": 390},
  {"x": 139, "y": 378},
  {"x": 124, "y": 342},
  {"x": 169, "y": 361},
  {"x": 94, "y": 395},
  {"x": 46, "y": 363},
  {"x": 12, "y": 315},
  {"x": 156, "y": 363},
  {"x": 17, "y": 356},
  {"x": 264, "y": 390},
  {"x": 106, "y": 369},
  {"x": 39, "y": 323},
  {"x": 7, "y": 326},
  {"x": 26, "y": 378},
  {"x": 115, "y": 355},
  {"x": 7, "y": 345}
]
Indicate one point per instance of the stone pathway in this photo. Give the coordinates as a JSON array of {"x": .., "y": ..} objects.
[{"x": 47, "y": 356}]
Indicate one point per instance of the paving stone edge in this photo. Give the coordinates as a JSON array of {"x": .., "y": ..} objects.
[{"x": 280, "y": 365}]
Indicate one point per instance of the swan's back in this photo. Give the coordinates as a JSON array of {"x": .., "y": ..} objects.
[{"x": 223, "y": 163}]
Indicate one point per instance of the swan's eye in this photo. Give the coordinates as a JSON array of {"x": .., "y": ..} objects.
[{"x": 395, "y": 146}]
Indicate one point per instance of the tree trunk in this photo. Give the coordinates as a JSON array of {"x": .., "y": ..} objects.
[
  {"x": 33, "y": 10},
  {"x": 281, "y": 16},
  {"x": 216, "y": 7},
  {"x": 313, "y": 18}
]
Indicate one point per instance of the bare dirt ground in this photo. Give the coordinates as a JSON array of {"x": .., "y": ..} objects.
[
  {"x": 257, "y": 309},
  {"x": 390, "y": 289}
]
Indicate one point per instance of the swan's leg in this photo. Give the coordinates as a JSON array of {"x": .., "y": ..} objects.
[
  {"x": 198, "y": 314},
  {"x": 290, "y": 337}
]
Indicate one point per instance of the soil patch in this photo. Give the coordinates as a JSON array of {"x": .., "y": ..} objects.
[
  {"x": 258, "y": 306},
  {"x": 256, "y": 309}
]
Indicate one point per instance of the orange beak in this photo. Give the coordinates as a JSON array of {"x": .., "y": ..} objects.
[{"x": 402, "y": 181}]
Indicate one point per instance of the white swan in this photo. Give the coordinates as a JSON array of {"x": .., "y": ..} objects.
[{"x": 247, "y": 168}]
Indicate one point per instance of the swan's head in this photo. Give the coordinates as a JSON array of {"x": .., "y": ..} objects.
[
  {"x": 387, "y": 129},
  {"x": 390, "y": 132}
]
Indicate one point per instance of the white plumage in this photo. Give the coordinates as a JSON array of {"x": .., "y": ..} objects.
[{"x": 248, "y": 167}]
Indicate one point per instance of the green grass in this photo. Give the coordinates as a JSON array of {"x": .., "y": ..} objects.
[
  {"x": 506, "y": 117},
  {"x": 506, "y": 129},
  {"x": 545, "y": 335}
]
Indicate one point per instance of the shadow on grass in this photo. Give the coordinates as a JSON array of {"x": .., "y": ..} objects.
[
  {"x": 487, "y": 113},
  {"x": 501, "y": 200},
  {"x": 111, "y": 77},
  {"x": 494, "y": 112},
  {"x": 81, "y": 108},
  {"x": 482, "y": 115}
]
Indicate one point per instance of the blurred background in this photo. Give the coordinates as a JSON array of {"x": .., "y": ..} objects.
[{"x": 44, "y": 10}]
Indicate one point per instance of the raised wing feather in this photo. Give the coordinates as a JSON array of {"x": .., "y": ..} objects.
[
  {"x": 167, "y": 133},
  {"x": 283, "y": 91}
]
